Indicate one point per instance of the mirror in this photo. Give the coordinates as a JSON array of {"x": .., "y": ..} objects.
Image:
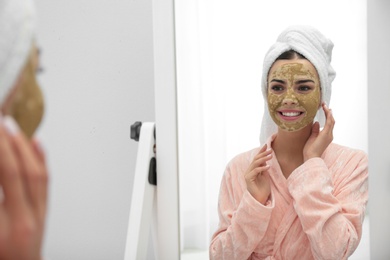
[{"x": 220, "y": 49}]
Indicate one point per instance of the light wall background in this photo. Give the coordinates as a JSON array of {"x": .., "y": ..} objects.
[
  {"x": 97, "y": 57},
  {"x": 378, "y": 125}
]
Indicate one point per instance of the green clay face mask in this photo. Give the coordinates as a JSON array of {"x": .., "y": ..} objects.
[{"x": 293, "y": 94}]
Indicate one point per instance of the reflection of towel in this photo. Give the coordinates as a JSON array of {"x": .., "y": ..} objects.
[
  {"x": 17, "y": 20},
  {"x": 317, "y": 49}
]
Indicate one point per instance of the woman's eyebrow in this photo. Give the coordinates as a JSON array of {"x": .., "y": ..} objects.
[
  {"x": 301, "y": 81},
  {"x": 278, "y": 80}
]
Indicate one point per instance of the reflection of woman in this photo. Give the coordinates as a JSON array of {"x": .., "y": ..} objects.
[
  {"x": 300, "y": 196},
  {"x": 23, "y": 174}
]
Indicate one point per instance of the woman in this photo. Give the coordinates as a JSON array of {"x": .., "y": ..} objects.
[
  {"x": 23, "y": 173},
  {"x": 300, "y": 196}
]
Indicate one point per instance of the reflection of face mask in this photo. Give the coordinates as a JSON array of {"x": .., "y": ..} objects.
[
  {"x": 293, "y": 108},
  {"x": 28, "y": 106}
]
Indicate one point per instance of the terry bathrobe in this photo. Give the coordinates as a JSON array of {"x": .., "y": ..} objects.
[{"x": 316, "y": 213}]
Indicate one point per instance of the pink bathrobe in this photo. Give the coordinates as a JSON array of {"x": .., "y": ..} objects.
[{"x": 316, "y": 213}]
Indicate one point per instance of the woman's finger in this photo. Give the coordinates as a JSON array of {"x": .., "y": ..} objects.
[
  {"x": 262, "y": 169},
  {"x": 259, "y": 160},
  {"x": 329, "y": 124},
  {"x": 40, "y": 153},
  {"x": 262, "y": 160},
  {"x": 256, "y": 171},
  {"x": 10, "y": 177},
  {"x": 37, "y": 148},
  {"x": 315, "y": 130},
  {"x": 262, "y": 154},
  {"x": 34, "y": 174},
  {"x": 331, "y": 120},
  {"x": 264, "y": 148}
]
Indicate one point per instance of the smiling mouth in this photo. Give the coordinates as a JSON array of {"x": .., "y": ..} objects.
[{"x": 290, "y": 114}]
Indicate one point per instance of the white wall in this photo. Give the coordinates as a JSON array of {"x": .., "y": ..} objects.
[
  {"x": 98, "y": 79},
  {"x": 378, "y": 126}
]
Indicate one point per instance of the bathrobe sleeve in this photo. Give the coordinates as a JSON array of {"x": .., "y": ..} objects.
[
  {"x": 243, "y": 220},
  {"x": 330, "y": 201}
]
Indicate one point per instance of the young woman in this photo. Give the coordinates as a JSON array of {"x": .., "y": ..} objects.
[
  {"x": 299, "y": 196},
  {"x": 23, "y": 172}
]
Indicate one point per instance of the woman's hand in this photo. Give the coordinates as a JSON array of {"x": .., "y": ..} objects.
[
  {"x": 23, "y": 180},
  {"x": 319, "y": 141},
  {"x": 258, "y": 185}
]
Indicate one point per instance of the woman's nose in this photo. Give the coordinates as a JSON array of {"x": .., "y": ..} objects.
[{"x": 290, "y": 100}]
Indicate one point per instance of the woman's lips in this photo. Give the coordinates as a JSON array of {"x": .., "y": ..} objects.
[{"x": 290, "y": 115}]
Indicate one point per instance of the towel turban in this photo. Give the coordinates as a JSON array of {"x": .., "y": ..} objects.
[{"x": 312, "y": 44}]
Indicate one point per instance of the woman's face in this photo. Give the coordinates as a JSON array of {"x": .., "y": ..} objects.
[
  {"x": 293, "y": 93},
  {"x": 25, "y": 102}
]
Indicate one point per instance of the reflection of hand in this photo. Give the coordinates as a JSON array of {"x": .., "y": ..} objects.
[
  {"x": 23, "y": 179},
  {"x": 257, "y": 183},
  {"x": 319, "y": 141}
]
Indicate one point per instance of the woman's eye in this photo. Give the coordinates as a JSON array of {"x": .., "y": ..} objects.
[
  {"x": 304, "y": 88},
  {"x": 277, "y": 88}
]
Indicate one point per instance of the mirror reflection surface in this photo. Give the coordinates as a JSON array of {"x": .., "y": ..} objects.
[{"x": 220, "y": 51}]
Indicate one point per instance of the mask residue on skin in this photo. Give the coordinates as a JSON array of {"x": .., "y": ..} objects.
[
  {"x": 28, "y": 106},
  {"x": 308, "y": 102}
]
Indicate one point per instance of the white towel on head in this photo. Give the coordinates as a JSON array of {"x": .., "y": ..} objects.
[
  {"x": 312, "y": 44},
  {"x": 17, "y": 30}
]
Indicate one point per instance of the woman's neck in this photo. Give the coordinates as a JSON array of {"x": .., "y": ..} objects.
[
  {"x": 288, "y": 148},
  {"x": 291, "y": 144}
]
